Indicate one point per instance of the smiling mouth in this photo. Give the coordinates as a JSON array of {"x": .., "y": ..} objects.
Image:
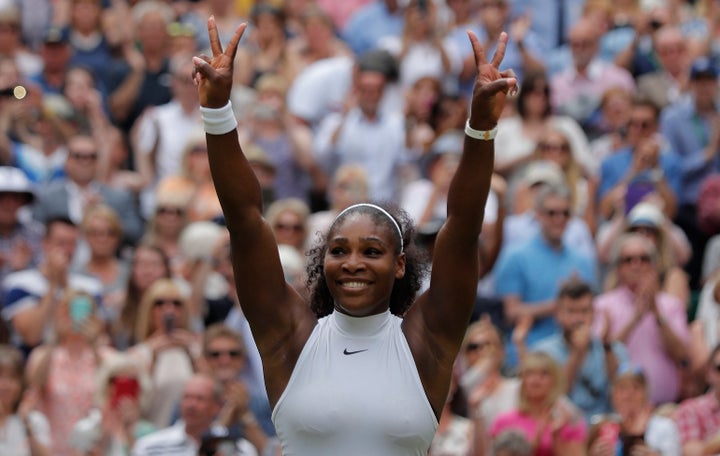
[{"x": 354, "y": 285}]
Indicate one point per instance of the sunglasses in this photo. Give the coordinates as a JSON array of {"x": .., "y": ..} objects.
[
  {"x": 170, "y": 210},
  {"x": 475, "y": 346},
  {"x": 161, "y": 302},
  {"x": 552, "y": 213},
  {"x": 81, "y": 156},
  {"x": 548, "y": 147},
  {"x": 641, "y": 124},
  {"x": 288, "y": 227},
  {"x": 639, "y": 259},
  {"x": 218, "y": 353}
]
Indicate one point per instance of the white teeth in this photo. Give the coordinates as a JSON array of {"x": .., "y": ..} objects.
[{"x": 354, "y": 284}]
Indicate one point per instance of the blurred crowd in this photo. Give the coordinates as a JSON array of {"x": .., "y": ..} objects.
[{"x": 597, "y": 318}]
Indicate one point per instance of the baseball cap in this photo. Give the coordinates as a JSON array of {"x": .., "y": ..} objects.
[
  {"x": 13, "y": 180},
  {"x": 543, "y": 172},
  {"x": 702, "y": 68},
  {"x": 57, "y": 35},
  {"x": 645, "y": 214}
]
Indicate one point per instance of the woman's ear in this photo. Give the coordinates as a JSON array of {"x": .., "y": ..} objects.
[{"x": 400, "y": 266}]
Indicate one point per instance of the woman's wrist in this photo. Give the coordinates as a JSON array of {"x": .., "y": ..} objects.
[{"x": 218, "y": 121}]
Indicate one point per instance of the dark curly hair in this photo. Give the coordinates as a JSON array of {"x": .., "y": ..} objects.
[{"x": 404, "y": 289}]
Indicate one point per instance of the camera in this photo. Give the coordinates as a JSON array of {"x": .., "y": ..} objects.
[{"x": 17, "y": 91}]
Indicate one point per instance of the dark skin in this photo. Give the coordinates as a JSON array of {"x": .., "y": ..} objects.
[{"x": 363, "y": 260}]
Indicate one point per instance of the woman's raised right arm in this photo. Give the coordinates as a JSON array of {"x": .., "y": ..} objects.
[{"x": 277, "y": 314}]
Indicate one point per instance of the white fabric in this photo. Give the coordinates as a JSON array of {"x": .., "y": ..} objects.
[
  {"x": 416, "y": 195},
  {"x": 173, "y": 441},
  {"x": 220, "y": 120},
  {"x": 13, "y": 439},
  {"x": 662, "y": 435},
  {"x": 355, "y": 391},
  {"x": 708, "y": 313}
]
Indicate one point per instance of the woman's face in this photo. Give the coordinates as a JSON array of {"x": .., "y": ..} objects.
[
  {"x": 361, "y": 266},
  {"x": 483, "y": 345},
  {"x": 537, "y": 383},
  {"x": 225, "y": 357},
  {"x": 627, "y": 396},
  {"x": 197, "y": 162},
  {"x": 536, "y": 100},
  {"x": 78, "y": 86},
  {"x": 423, "y": 97},
  {"x": 289, "y": 229},
  {"x": 318, "y": 33},
  {"x": 556, "y": 148},
  {"x": 10, "y": 388},
  {"x": 102, "y": 237},
  {"x": 167, "y": 311},
  {"x": 169, "y": 219},
  {"x": 147, "y": 268}
]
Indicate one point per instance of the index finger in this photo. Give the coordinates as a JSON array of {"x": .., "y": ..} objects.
[
  {"x": 500, "y": 50},
  {"x": 232, "y": 45}
]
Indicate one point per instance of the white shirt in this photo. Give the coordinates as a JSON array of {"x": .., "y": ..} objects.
[
  {"x": 173, "y": 441},
  {"x": 355, "y": 391}
]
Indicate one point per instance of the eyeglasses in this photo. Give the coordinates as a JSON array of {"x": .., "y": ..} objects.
[
  {"x": 218, "y": 353},
  {"x": 81, "y": 156},
  {"x": 101, "y": 233},
  {"x": 161, "y": 302},
  {"x": 634, "y": 259},
  {"x": 170, "y": 210},
  {"x": 475, "y": 346},
  {"x": 548, "y": 147},
  {"x": 641, "y": 124},
  {"x": 289, "y": 227},
  {"x": 552, "y": 213}
]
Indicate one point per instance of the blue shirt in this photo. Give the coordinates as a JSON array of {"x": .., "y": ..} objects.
[
  {"x": 591, "y": 388},
  {"x": 614, "y": 168},
  {"x": 534, "y": 271},
  {"x": 689, "y": 134},
  {"x": 370, "y": 23}
]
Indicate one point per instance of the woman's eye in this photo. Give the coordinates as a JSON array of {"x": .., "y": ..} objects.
[{"x": 336, "y": 251}]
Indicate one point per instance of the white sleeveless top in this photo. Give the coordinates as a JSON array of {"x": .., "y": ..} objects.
[{"x": 355, "y": 390}]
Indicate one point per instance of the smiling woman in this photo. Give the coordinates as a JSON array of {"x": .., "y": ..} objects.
[{"x": 366, "y": 368}]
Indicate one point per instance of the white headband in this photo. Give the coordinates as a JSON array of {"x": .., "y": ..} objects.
[{"x": 382, "y": 211}]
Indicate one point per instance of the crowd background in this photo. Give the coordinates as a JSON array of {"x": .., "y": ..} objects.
[{"x": 598, "y": 305}]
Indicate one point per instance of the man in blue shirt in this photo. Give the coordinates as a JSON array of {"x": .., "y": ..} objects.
[
  {"x": 692, "y": 127},
  {"x": 530, "y": 274},
  {"x": 590, "y": 363}
]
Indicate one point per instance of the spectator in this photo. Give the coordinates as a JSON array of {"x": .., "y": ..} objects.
[
  {"x": 669, "y": 84},
  {"x": 138, "y": 78},
  {"x": 615, "y": 106},
  {"x": 288, "y": 219},
  {"x": 89, "y": 47},
  {"x": 20, "y": 236},
  {"x": 164, "y": 131},
  {"x": 364, "y": 134},
  {"x": 201, "y": 401},
  {"x": 524, "y": 279},
  {"x": 693, "y": 130},
  {"x": 102, "y": 231},
  {"x": 698, "y": 418},
  {"x": 672, "y": 246},
  {"x": 193, "y": 182},
  {"x": 648, "y": 165},
  {"x": 651, "y": 323},
  {"x": 642, "y": 429},
  {"x": 11, "y": 44},
  {"x": 372, "y": 22},
  {"x": 56, "y": 53},
  {"x": 115, "y": 423},
  {"x": 243, "y": 408},
  {"x": 33, "y": 295},
  {"x": 519, "y": 134},
  {"x": 72, "y": 196},
  {"x": 26, "y": 432},
  {"x": 265, "y": 50},
  {"x": 577, "y": 90},
  {"x": 148, "y": 264},
  {"x": 165, "y": 226},
  {"x": 165, "y": 346},
  {"x": 546, "y": 418},
  {"x": 63, "y": 372}
]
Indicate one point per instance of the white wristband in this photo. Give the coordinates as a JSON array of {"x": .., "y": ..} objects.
[
  {"x": 218, "y": 121},
  {"x": 485, "y": 135}
]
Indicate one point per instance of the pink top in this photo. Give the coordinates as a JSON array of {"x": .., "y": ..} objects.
[
  {"x": 528, "y": 426},
  {"x": 644, "y": 344}
]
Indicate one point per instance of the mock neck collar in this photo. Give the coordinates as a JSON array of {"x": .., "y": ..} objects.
[{"x": 360, "y": 326}]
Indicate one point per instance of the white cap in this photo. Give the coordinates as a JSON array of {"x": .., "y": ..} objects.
[{"x": 13, "y": 180}]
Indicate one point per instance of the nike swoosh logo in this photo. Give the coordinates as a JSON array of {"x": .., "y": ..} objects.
[{"x": 346, "y": 352}]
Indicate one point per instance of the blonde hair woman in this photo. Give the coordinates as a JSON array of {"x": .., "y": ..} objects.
[
  {"x": 548, "y": 419},
  {"x": 166, "y": 348}
]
